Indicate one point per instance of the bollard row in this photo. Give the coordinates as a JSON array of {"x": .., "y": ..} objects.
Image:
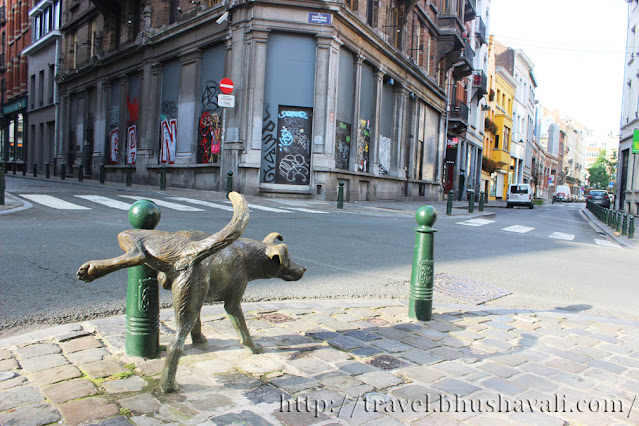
[{"x": 620, "y": 222}]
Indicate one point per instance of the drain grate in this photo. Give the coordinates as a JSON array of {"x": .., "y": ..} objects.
[
  {"x": 275, "y": 318},
  {"x": 467, "y": 290}
]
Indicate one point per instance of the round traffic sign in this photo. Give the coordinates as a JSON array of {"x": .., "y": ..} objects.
[{"x": 226, "y": 85}]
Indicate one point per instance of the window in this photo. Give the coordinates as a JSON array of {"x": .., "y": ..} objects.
[
  {"x": 32, "y": 90},
  {"x": 41, "y": 89},
  {"x": 51, "y": 82}
]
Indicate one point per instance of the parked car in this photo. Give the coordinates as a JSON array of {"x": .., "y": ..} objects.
[
  {"x": 519, "y": 194},
  {"x": 562, "y": 193},
  {"x": 599, "y": 196}
]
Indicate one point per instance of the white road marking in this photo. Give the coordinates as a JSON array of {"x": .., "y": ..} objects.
[
  {"x": 106, "y": 201},
  {"x": 300, "y": 209},
  {"x": 476, "y": 222},
  {"x": 606, "y": 243},
  {"x": 268, "y": 209},
  {"x": 562, "y": 236},
  {"x": 56, "y": 203},
  {"x": 203, "y": 203},
  {"x": 518, "y": 229},
  {"x": 168, "y": 205}
]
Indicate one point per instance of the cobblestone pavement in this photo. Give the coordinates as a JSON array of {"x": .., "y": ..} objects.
[{"x": 335, "y": 362}]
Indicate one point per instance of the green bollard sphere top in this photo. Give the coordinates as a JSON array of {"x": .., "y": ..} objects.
[
  {"x": 426, "y": 216},
  {"x": 144, "y": 214}
]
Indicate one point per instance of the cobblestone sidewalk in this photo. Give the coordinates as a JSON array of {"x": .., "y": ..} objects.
[{"x": 335, "y": 362}]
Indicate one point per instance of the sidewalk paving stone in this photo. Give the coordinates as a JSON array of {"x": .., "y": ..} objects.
[
  {"x": 38, "y": 349},
  {"x": 105, "y": 368},
  {"x": 43, "y": 362},
  {"x": 80, "y": 344},
  {"x": 35, "y": 414},
  {"x": 130, "y": 384},
  {"x": 72, "y": 389},
  {"x": 88, "y": 355},
  {"x": 19, "y": 396},
  {"x": 56, "y": 374},
  {"x": 8, "y": 364},
  {"x": 88, "y": 409}
]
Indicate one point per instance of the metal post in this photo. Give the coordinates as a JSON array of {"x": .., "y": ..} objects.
[
  {"x": 481, "y": 201},
  {"x": 47, "y": 170},
  {"x": 102, "y": 174},
  {"x": 15, "y": 168},
  {"x": 63, "y": 171},
  {"x": 128, "y": 175},
  {"x": 340, "y": 195},
  {"x": 35, "y": 169},
  {"x": 163, "y": 177},
  {"x": 631, "y": 227},
  {"x": 55, "y": 167},
  {"x": 449, "y": 206},
  {"x": 229, "y": 183},
  {"x": 420, "y": 305},
  {"x": 624, "y": 226},
  {"x": 471, "y": 200},
  {"x": 80, "y": 172},
  {"x": 1, "y": 184},
  {"x": 142, "y": 332},
  {"x": 618, "y": 224},
  {"x": 24, "y": 168}
]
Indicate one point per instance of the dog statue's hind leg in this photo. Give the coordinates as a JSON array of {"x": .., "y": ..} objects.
[{"x": 234, "y": 310}]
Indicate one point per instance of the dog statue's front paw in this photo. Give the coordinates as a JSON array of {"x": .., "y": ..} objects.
[
  {"x": 84, "y": 273},
  {"x": 200, "y": 340},
  {"x": 169, "y": 387},
  {"x": 256, "y": 349}
]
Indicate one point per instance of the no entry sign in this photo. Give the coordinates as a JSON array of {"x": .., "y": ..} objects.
[{"x": 226, "y": 86}]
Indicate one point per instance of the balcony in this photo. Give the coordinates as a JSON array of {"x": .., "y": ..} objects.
[
  {"x": 501, "y": 157},
  {"x": 3, "y": 15},
  {"x": 480, "y": 30},
  {"x": 3, "y": 67},
  {"x": 463, "y": 66},
  {"x": 470, "y": 11},
  {"x": 480, "y": 82},
  {"x": 458, "y": 116}
]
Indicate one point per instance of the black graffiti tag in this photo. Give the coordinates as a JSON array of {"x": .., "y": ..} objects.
[{"x": 209, "y": 96}]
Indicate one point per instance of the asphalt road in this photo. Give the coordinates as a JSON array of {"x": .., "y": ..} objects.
[{"x": 362, "y": 252}]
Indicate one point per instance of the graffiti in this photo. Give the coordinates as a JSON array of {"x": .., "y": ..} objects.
[
  {"x": 169, "y": 109},
  {"x": 209, "y": 96},
  {"x": 342, "y": 145},
  {"x": 269, "y": 146},
  {"x": 384, "y": 155},
  {"x": 293, "y": 114},
  {"x": 294, "y": 168},
  {"x": 114, "y": 137},
  {"x": 210, "y": 128},
  {"x": 286, "y": 139},
  {"x": 132, "y": 148},
  {"x": 169, "y": 140},
  {"x": 363, "y": 146},
  {"x": 133, "y": 108}
]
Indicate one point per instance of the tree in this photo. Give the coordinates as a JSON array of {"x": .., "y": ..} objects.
[{"x": 600, "y": 171}]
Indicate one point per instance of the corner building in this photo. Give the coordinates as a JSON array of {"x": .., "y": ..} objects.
[{"x": 326, "y": 91}]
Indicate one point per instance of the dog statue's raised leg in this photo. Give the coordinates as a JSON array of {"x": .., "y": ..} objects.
[
  {"x": 234, "y": 310},
  {"x": 196, "y": 333}
]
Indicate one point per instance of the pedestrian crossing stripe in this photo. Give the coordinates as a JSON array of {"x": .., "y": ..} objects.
[
  {"x": 267, "y": 209},
  {"x": 518, "y": 229},
  {"x": 562, "y": 236},
  {"x": 476, "y": 222},
  {"x": 300, "y": 209},
  {"x": 606, "y": 243},
  {"x": 109, "y": 202},
  {"x": 202, "y": 203},
  {"x": 53, "y": 202},
  {"x": 167, "y": 204}
]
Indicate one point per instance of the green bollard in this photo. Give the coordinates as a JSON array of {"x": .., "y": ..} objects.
[
  {"x": 55, "y": 167},
  {"x": 481, "y": 201},
  {"x": 63, "y": 171},
  {"x": 102, "y": 174},
  {"x": 631, "y": 227},
  {"x": 24, "y": 169},
  {"x": 340, "y": 195},
  {"x": 142, "y": 332},
  {"x": 1, "y": 184},
  {"x": 624, "y": 226},
  {"x": 420, "y": 304},
  {"x": 449, "y": 205},
  {"x": 618, "y": 224},
  {"x": 471, "y": 201},
  {"x": 163, "y": 177},
  {"x": 15, "y": 168},
  {"x": 47, "y": 170},
  {"x": 229, "y": 183},
  {"x": 80, "y": 172},
  {"x": 35, "y": 169},
  {"x": 128, "y": 175}
]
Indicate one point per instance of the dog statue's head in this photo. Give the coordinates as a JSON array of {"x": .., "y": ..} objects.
[{"x": 281, "y": 263}]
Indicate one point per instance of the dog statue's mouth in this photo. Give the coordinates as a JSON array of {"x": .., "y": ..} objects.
[{"x": 293, "y": 274}]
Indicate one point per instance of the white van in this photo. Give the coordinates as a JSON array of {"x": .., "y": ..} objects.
[
  {"x": 519, "y": 194},
  {"x": 562, "y": 193}
]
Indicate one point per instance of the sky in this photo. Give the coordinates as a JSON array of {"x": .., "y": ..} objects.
[{"x": 578, "y": 50}]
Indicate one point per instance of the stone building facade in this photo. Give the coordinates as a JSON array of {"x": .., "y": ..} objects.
[{"x": 324, "y": 91}]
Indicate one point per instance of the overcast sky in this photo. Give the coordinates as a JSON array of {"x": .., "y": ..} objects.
[{"x": 578, "y": 49}]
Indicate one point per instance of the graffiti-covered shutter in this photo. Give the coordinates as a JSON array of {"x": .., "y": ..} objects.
[{"x": 431, "y": 132}]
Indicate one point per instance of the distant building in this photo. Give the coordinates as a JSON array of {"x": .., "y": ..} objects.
[{"x": 627, "y": 197}]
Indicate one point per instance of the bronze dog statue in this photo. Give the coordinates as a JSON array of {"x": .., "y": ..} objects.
[{"x": 197, "y": 268}]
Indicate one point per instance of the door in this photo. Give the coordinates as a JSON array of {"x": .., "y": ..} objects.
[{"x": 293, "y": 155}]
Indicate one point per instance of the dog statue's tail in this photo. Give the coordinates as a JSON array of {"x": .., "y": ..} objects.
[{"x": 199, "y": 250}]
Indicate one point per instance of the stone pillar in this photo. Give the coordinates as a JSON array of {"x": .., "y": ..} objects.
[
  {"x": 359, "y": 60},
  {"x": 400, "y": 107},
  {"x": 99, "y": 130},
  {"x": 186, "y": 150},
  {"x": 377, "y": 102},
  {"x": 63, "y": 130},
  {"x": 122, "y": 125},
  {"x": 255, "y": 58},
  {"x": 321, "y": 125}
]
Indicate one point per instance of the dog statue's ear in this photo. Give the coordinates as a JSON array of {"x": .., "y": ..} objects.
[
  {"x": 279, "y": 250},
  {"x": 270, "y": 238}
]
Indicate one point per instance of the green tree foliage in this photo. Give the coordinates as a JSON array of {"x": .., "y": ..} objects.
[{"x": 601, "y": 171}]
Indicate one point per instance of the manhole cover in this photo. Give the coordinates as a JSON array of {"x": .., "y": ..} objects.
[
  {"x": 386, "y": 362},
  {"x": 276, "y": 318},
  {"x": 467, "y": 290},
  {"x": 376, "y": 321}
]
